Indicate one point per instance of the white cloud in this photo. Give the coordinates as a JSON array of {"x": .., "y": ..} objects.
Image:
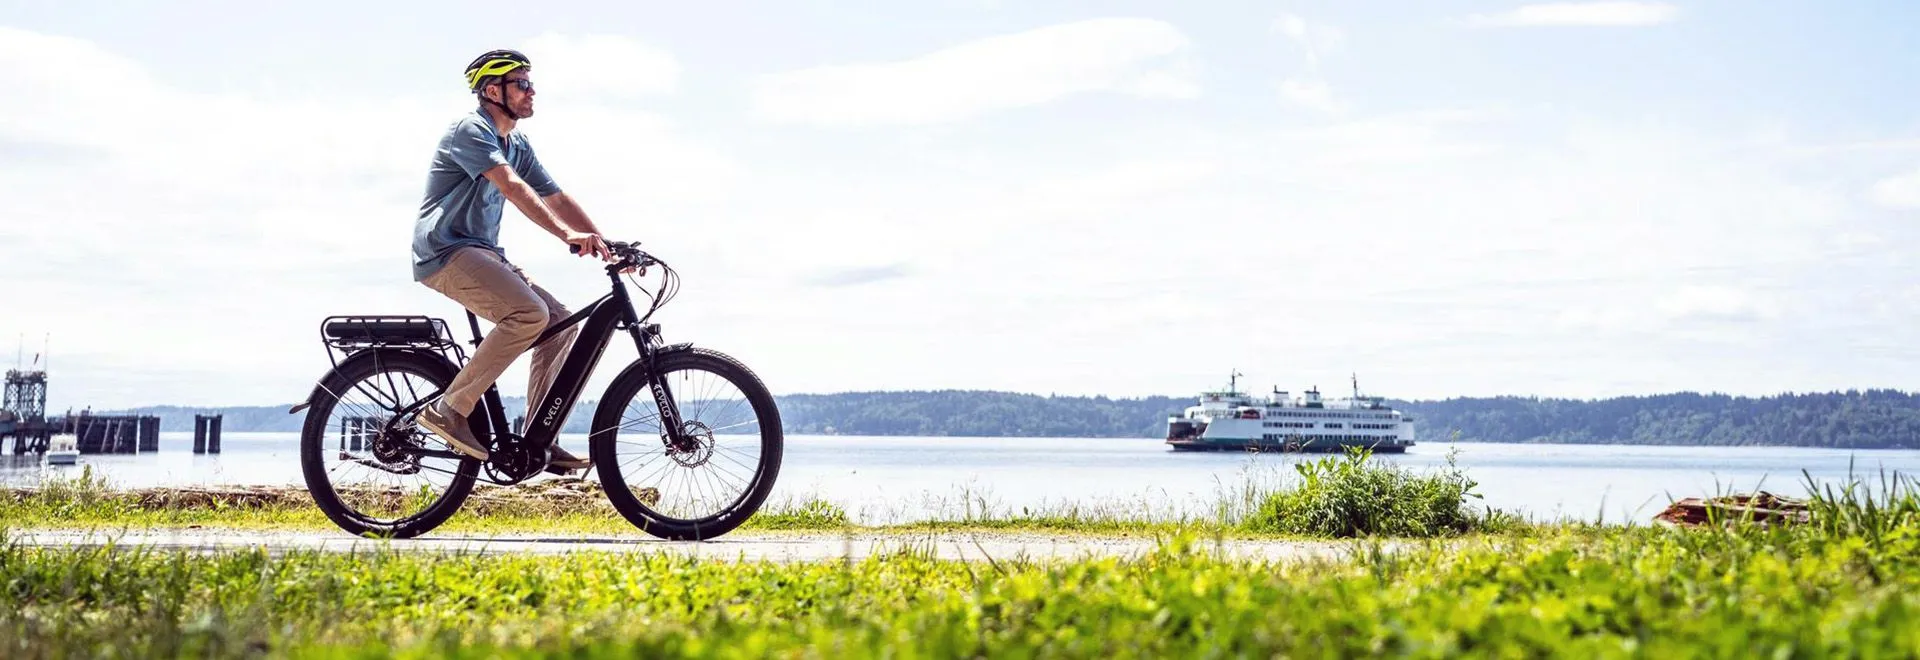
[
  {"x": 1898, "y": 192},
  {"x": 1127, "y": 180},
  {"x": 1120, "y": 55},
  {"x": 1658, "y": 308},
  {"x": 1318, "y": 40},
  {"x": 1598, "y": 14},
  {"x": 1406, "y": 246},
  {"x": 600, "y": 65},
  {"x": 1856, "y": 241},
  {"x": 1314, "y": 94},
  {"x": 1389, "y": 139},
  {"x": 1608, "y": 319},
  {"x": 1717, "y": 303}
]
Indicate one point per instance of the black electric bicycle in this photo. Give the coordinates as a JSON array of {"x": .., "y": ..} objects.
[{"x": 665, "y": 465}]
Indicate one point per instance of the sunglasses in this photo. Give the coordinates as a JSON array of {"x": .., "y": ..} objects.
[{"x": 524, "y": 84}]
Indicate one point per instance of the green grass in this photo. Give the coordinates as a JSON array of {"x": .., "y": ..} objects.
[
  {"x": 86, "y": 501},
  {"x": 1846, "y": 582},
  {"x": 1738, "y": 591}
]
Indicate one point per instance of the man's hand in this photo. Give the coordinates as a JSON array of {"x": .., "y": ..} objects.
[{"x": 589, "y": 244}]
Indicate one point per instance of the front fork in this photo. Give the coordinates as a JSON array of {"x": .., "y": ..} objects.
[{"x": 673, "y": 429}]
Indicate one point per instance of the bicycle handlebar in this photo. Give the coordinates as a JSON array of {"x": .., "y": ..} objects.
[
  {"x": 626, "y": 251},
  {"x": 631, "y": 255}
]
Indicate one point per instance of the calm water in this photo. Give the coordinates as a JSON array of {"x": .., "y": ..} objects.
[{"x": 880, "y": 479}]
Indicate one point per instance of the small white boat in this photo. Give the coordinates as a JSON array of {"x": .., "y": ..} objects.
[{"x": 63, "y": 449}]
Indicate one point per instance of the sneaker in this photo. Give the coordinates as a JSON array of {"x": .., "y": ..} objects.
[
  {"x": 453, "y": 428},
  {"x": 564, "y": 460}
]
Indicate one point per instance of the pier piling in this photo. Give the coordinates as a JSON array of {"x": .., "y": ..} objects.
[
  {"x": 206, "y": 434},
  {"x": 150, "y": 434}
]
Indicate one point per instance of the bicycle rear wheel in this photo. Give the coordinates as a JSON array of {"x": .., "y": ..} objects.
[
  {"x": 363, "y": 471},
  {"x": 720, "y": 479}
]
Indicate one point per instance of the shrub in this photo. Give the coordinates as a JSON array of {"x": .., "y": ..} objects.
[{"x": 1350, "y": 495}]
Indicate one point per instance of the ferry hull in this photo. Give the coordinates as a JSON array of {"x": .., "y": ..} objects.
[
  {"x": 1250, "y": 431},
  {"x": 1314, "y": 446}
]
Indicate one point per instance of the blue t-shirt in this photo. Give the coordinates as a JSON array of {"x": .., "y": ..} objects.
[{"x": 461, "y": 207}]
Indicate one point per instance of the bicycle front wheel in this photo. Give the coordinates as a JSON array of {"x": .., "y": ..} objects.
[{"x": 715, "y": 481}]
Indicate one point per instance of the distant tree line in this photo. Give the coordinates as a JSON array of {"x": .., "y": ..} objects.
[
  {"x": 977, "y": 413},
  {"x": 1852, "y": 419},
  {"x": 948, "y": 412},
  {"x": 1870, "y": 419}
]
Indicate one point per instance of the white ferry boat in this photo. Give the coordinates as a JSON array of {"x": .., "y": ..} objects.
[{"x": 1233, "y": 420}]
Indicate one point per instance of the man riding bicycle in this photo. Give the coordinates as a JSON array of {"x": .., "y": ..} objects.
[{"x": 481, "y": 161}]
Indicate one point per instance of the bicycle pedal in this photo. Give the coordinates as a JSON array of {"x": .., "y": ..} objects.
[{"x": 564, "y": 472}]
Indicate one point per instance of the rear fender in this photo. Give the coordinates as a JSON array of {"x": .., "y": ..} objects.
[{"x": 366, "y": 355}]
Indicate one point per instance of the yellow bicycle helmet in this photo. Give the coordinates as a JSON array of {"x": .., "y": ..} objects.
[{"x": 493, "y": 63}]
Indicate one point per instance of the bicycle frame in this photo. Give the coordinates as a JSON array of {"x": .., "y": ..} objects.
[{"x": 601, "y": 319}]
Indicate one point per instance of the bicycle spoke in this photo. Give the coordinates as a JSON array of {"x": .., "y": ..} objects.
[
  {"x": 699, "y": 481},
  {"x": 730, "y": 426},
  {"x": 404, "y": 480}
]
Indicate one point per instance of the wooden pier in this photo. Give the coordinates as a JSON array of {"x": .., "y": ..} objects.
[
  {"x": 24, "y": 422},
  {"x": 92, "y": 434},
  {"x": 113, "y": 434}
]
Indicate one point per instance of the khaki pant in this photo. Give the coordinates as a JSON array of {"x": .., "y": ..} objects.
[{"x": 498, "y": 291}]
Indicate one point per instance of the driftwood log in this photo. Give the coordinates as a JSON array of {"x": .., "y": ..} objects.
[{"x": 1762, "y": 507}]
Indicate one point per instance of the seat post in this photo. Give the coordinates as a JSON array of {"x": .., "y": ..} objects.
[{"x": 474, "y": 322}]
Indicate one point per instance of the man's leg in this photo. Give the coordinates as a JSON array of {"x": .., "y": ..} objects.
[
  {"x": 547, "y": 358},
  {"x": 547, "y": 355},
  {"x": 484, "y": 283}
]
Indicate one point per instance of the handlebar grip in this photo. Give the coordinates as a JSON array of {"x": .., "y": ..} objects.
[{"x": 615, "y": 248}]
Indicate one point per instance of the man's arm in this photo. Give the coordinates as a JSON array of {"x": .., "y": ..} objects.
[
  {"x": 570, "y": 212},
  {"x": 580, "y": 232}
]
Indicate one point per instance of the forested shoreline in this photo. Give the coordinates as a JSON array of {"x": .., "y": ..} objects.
[{"x": 1851, "y": 419}]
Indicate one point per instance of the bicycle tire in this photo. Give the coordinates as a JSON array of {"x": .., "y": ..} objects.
[
  {"x": 314, "y": 435},
  {"x": 607, "y": 419}
]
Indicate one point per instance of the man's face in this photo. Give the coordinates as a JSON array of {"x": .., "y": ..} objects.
[{"x": 517, "y": 92}]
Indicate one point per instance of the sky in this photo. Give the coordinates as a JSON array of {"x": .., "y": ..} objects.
[{"x": 1471, "y": 198}]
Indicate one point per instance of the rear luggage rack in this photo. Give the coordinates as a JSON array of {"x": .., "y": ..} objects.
[{"x": 347, "y": 335}]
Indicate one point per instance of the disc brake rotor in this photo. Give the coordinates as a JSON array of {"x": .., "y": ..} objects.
[{"x": 698, "y": 447}]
